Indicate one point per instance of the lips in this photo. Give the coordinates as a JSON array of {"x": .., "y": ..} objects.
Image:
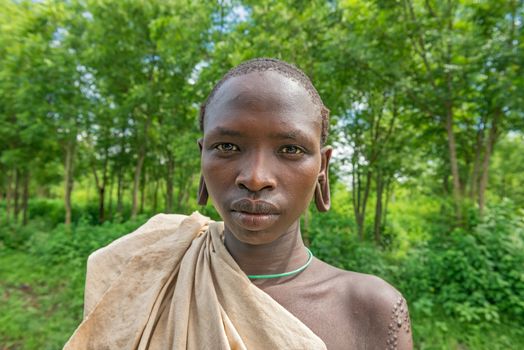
[
  {"x": 256, "y": 207},
  {"x": 254, "y": 215}
]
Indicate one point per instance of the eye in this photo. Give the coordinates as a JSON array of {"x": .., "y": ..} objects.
[
  {"x": 226, "y": 147},
  {"x": 292, "y": 149}
]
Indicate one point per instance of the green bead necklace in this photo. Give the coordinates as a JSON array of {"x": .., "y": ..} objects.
[{"x": 285, "y": 274}]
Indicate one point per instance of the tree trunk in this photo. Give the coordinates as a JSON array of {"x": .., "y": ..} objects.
[
  {"x": 476, "y": 164},
  {"x": 378, "y": 208},
  {"x": 155, "y": 196},
  {"x": 355, "y": 194},
  {"x": 119, "y": 192},
  {"x": 490, "y": 144},
  {"x": 169, "y": 181},
  {"x": 69, "y": 178},
  {"x": 101, "y": 203},
  {"x": 360, "y": 226},
  {"x": 101, "y": 187},
  {"x": 360, "y": 200},
  {"x": 136, "y": 181},
  {"x": 138, "y": 167},
  {"x": 25, "y": 198},
  {"x": 110, "y": 204},
  {"x": 142, "y": 191},
  {"x": 452, "y": 147},
  {"x": 386, "y": 204}
]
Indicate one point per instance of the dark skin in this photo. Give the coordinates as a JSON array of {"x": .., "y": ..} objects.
[{"x": 261, "y": 161}]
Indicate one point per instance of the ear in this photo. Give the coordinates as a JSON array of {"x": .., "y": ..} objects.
[
  {"x": 322, "y": 194},
  {"x": 202, "y": 195}
]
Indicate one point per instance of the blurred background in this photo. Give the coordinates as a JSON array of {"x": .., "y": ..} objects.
[{"x": 99, "y": 104}]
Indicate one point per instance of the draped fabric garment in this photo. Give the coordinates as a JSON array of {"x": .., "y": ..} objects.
[{"x": 172, "y": 284}]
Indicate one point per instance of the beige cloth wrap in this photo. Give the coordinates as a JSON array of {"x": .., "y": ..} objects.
[{"x": 172, "y": 284}]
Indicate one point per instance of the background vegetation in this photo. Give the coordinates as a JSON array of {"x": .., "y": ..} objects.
[{"x": 98, "y": 127}]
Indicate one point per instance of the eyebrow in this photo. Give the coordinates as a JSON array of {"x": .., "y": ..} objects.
[
  {"x": 293, "y": 135},
  {"x": 225, "y": 132},
  {"x": 285, "y": 135}
]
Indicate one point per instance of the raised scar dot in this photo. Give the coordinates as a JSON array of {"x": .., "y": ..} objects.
[{"x": 400, "y": 318}]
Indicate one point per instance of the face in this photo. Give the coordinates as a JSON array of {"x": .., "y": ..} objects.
[{"x": 261, "y": 154}]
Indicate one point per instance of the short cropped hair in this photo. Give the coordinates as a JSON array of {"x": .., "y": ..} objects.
[{"x": 288, "y": 70}]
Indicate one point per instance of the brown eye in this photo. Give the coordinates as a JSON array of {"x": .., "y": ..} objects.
[
  {"x": 291, "y": 149},
  {"x": 226, "y": 147}
]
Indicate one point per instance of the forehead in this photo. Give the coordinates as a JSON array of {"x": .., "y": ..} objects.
[{"x": 266, "y": 92}]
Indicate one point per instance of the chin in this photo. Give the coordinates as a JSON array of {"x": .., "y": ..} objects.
[
  {"x": 252, "y": 237},
  {"x": 255, "y": 237}
]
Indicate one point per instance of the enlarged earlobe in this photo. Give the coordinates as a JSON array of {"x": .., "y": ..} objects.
[
  {"x": 202, "y": 195},
  {"x": 322, "y": 193},
  {"x": 202, "y": 192}
]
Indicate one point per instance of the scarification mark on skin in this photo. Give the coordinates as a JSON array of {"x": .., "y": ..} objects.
[{"x": 399, "y": 321}]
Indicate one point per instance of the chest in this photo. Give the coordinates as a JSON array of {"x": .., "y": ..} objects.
[{"x": 326, "y": 311}]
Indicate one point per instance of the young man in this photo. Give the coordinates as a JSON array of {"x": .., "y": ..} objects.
[{"x": 249, "y": 282}]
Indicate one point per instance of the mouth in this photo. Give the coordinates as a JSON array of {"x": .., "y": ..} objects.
[
  {"x": 254, "y": 207},
  {"x": 254, "y": 215}
]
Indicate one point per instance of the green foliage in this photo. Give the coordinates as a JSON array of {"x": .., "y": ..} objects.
[
  {"x": 40, "y": 303},
  {"x": 475, "y": 276},
  {"x": 42, "y": 281},
  {"x": 441, "y": 332},
  {"x": 333, "y": 241},
  {"x": 16, "y": 236},
  {"x": 52, "y": 212},
  {"x": 74, "y": 245},
  {"x": 508, "y": 166}
]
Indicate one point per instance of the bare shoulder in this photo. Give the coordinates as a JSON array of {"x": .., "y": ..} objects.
[
  {"x": 364, "y": 287},
  {"x": 377, "y": 310}
]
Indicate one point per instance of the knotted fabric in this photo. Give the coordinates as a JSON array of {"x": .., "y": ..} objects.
[{"x": 172, "y": 284}]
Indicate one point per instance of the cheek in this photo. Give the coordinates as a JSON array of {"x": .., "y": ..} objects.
[
  {"x": 215, "y": 174},
  {"x": 302, "y": 180},
  {"x": 210, "y": 162}
]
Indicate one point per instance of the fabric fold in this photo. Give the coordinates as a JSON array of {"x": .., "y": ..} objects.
[{"x": 180, "y": 290}]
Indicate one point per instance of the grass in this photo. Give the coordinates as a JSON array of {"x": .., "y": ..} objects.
[
  {"x": 39, "y": 307},
  {"x": 438, "y": 332}
]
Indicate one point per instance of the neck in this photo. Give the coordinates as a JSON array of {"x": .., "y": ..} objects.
[{"x": 283, "y": 254}]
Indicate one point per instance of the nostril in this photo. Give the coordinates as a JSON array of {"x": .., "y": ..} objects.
[
  {"x": 255, "y": 185},
  {"x": 255, "y": 176}
]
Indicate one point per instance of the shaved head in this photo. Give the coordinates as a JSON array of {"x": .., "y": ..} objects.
[{"x": 283, "y": 68}]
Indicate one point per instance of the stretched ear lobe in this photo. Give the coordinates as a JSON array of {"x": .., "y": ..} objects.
[
  {"x": 202, "y": 195},
  {"x": 202, "y": 192},
  {"x": 322, "y": 193}
]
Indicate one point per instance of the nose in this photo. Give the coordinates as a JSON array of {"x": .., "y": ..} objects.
[{"x": 257, "y": 173}]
